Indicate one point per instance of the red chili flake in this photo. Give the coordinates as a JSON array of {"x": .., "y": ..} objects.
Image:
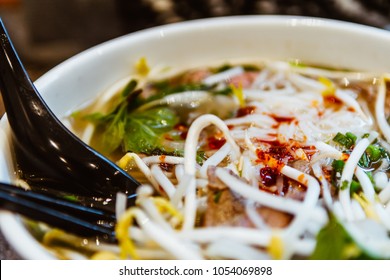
[
  {"x": 162, "y": 158},
  {"x": 281, "y": 153},
  {"x": 183, "y": 135},
  {"x": 327, "y": 173},
  {"x": 181, "y": 127},
  {"x": 230, "y": 126},
  {"x": 331, "y": 99},
  {"x": 268, "y": 176},
  {"x": 309, "y": 151},
  {"x": 262, "y": 156},
  {"x": 245, "y": 111},
  {"x": 266, "y": 159},
  {"x": 281, "y": 119},
  {"x": 183, "y": 130},
  {"x": 271, "y": 135},
  {"x": 216, "y": 143},
  {"x": 270, "y": 142}
]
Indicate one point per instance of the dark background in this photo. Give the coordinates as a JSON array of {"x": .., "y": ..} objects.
[{"x": 46, "y": 32}]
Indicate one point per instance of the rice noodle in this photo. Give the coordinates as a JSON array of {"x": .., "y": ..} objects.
[{"x": 347, "y": 174}]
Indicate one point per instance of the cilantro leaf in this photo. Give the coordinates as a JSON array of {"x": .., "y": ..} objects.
[
  {"x": 144, "y": 130},
  {"x": 334, "y": 243}
]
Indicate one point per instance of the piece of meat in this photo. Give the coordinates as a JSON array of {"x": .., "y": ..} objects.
[
  {"x": 196, "y": 76},
  {"x": 244, "y": 80},
  {"x": 274, "y": 218},
  {"x": 226, "y": 208},
  {"x": 214, "y": 182}
]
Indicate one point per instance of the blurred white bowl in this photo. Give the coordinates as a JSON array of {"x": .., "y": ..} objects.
[{"x": 82, "y": 77}]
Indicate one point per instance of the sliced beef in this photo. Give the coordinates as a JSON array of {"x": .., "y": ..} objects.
[{"x": 226, "y": 208}]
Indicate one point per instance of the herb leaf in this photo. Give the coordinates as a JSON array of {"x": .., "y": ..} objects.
[
  {"x": 113, "y": 126},
  {"x": 334, "y": 243},
  {"x": 144, "y": 130}
]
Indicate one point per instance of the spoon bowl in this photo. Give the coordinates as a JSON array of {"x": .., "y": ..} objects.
[{"x": 48, "y": 155}]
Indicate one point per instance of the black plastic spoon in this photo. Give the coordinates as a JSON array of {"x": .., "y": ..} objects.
[
  {"x": 48, "y": 155},
  {"x": 60, "y": 213}
]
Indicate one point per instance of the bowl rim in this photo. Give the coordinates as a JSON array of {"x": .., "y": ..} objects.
[
  {"x": 281, "y": 20},
  {"x": 10, "y": 224}
]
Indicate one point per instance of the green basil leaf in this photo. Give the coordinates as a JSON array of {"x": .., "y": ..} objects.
[
  {"x": 144, "y": 130},
  {"x": 334, "y": 243}
]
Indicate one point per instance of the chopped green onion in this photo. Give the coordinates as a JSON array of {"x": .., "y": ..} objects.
[
  {"x": 344, "y": 185},
  {"x": 347, "y": 140},
  {"x": 374, "y": 152},
  {"x": 351, "y": 136},
  {"x": 364, "y": 161},
  {"x": 338, "y": 165},
  {"x": 355, "y": 187},
  {"x": 217, "y": 196}
]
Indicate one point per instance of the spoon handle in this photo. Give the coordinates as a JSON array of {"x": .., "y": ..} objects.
[
  {"x": 47, "y": 153},
  {"x": 63, "y": 214}
]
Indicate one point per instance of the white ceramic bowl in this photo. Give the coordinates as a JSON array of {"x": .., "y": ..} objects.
[{"x": 79, "y": 79}]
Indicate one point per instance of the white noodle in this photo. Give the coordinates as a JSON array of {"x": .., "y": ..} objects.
[
  {"x": 88, "y": 133},
  {"x": 347, "y": 174},
  {"x": 306, "y": 84},
  {"x": 366, "y": 184},
  {"x": 233, "y": 249},
  {"x": 350, "y": 101},
  {"x": 181, "y": 189},
  {"x": 244, "y": 235},
  {"x": 163, "y": 159},
  {"x": 358, "y": 211},
  {"x": 144, "y": 169},
  {"x": 381, "y": 180},
  {"x": 384, "y": 215},
  {"x": 179, "y": 172},
  {"x": 259, "y": 120},
  {"x": 193, "y": 134},
  {"x": 253, "y": 215},
  {"x": 150, "y": 209},
  {"x": 324, "y": 183},
  {"x": 162, "y": 180},
  {"x": 166, "y": 239},
  {"x": 215, "y": 159},
  {"x": 384, "y": 195},
  {"x": 223, "y": 76},
  {"x": 266, "y": 199},
  {"x": 120, "y": 205},
  {"x": 380, "y": 110}
]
